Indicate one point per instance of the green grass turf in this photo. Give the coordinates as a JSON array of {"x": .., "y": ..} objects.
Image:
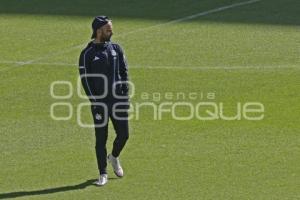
[{"x": 167, "y": 159}]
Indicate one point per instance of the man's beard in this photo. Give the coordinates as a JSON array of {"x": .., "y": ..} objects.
[{"x": 106, "y": 38}]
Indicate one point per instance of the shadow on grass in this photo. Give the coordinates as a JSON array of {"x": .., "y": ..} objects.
[
  {"x": 263, "y": 12},
  {"x": 79, "y": 186}
]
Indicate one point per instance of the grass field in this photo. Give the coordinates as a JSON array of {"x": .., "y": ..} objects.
[{"x": 244, "y": 53}]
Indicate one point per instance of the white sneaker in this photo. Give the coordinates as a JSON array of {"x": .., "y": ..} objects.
[
  {"x": 115, "y": 162},
  {"x": 102, "y": 180}
]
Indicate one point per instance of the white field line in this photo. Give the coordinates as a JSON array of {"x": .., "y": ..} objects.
[
  {"x": 203, "y": 68},
  {"x": 200, "y": 14},
  {"x": 172, "y": 67}
]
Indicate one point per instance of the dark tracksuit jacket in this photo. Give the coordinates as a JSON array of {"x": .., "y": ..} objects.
[
  {"x": 108, "y": 60},
  {"x": 105, "y": 59}
]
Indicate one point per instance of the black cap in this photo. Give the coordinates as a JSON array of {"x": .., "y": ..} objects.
[{"x": 98, "y": 22}]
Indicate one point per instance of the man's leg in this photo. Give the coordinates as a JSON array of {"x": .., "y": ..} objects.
[
  {"x": 101, "y": 131},
  {"x": 121, "y": 129}
]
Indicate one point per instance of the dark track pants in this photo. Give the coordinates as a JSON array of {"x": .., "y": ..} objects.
[{"x": 101, "y": 119}]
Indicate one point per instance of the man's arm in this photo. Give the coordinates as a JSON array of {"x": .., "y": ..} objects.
[
  {"x": 84, "y": 68},
  {"x": 123, "y": 70}
]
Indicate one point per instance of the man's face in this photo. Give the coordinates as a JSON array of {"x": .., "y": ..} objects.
[{"x": 105, "y": 32}]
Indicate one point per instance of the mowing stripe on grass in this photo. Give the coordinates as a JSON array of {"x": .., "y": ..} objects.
[
  {"x": 200, "y": 14},
  {"x": 169, "y": 67}
]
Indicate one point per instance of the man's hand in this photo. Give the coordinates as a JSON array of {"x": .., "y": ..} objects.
[{"x": 124, "y": 89}]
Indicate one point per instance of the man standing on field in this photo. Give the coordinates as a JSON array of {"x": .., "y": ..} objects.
[{"x": 104, "y": 77}]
